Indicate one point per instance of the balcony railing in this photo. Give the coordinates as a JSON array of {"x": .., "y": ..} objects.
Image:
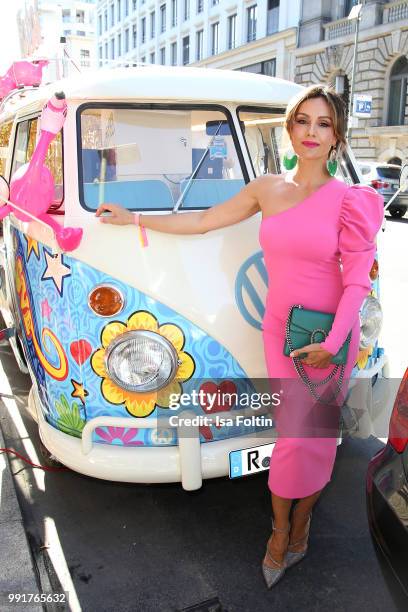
[
  {"x": 395, "y": 11},
  {"x": 336, "y": 29}
]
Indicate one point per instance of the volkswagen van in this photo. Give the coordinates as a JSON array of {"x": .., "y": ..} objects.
[{"x": 113, "y": 331}]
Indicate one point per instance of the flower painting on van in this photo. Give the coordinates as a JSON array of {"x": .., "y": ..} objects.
[{"x": 142, "y": 404}]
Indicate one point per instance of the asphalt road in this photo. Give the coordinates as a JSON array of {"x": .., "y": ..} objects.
[{"x": 158, "y": 548}]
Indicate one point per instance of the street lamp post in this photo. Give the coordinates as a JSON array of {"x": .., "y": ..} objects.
[{"x": 355, "y": 13}]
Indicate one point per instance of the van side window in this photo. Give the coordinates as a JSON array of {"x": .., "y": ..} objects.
[
  {"x": 26, "y": 139},
  {"x": 5, "y": 132},
  {"x": 156, "y": 158}
]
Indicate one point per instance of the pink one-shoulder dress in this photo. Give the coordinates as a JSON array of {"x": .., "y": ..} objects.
[{"x": 317, "y": 253}]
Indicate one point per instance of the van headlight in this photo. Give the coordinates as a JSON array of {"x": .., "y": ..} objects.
[
  {"x": 141, "y": 361},
  {"x": 371, "y": 318}
]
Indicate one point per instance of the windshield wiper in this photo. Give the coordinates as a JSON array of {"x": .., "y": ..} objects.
[{"x": 197, "y": 168}]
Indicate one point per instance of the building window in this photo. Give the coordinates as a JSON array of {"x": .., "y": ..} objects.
[
  {"x": 106, "y": 51},
  {"x": 186, "y": 50},
  {"x": 200, "y": 6},
  {"x": 134, "y": 36},
  {"x": 99, "y": 25},
  {"x": 143, "y": 30},
  {"x": 118, "y": 11},
  {"x": 173, "y": 13},
  {"x": 126, "y": 8},
  {"x": 214, "y": 37},
  {"x": 251, "y": 23},
  {"x": 85, "y": 56},
  {"x": 397, "y": 98},
  {"x": 214, "y": 2},
  {"x": 152, "y": 24},
  {"x": 134, "y": 4},
  {"x": 143, "y": 59},
  {"x": 126, "y": 40},
  {"x": 348, "y": 5},
  {"x": 272, "y": 23},
  {"x": 112, "y": 15},
  {"x": 173, "y": 50},
  {"x": 66, "y": 16},
  {"x": 199, "y": 45},
  {"x": 232, "y": 31},
  {"x": 100, "y": 56},
  {"x": 268, "y": 67},
  {"x": 112, "y": 48},
  {"x": 80, "y": 16},
  {"x": 119, "y": 49},
  {"x": 106, "y": 20},
  {"x": 80, "y": 33},
  {"x": 152, "y": 57},
  {"x": 186, "y": 11},
  {"x": 163, "y": 56},
  {"x": 163, "y": 18}
]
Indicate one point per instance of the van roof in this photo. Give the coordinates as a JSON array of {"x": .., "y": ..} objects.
[{"x": 175, "y": 83}]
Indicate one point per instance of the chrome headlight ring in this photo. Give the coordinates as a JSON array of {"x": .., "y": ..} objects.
[
  {"x": 141, "y": 361},
  {"x": 371, "y": 318}
]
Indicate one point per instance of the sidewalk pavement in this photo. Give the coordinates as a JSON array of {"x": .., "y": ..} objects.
[{"x": 17, "y": 571}]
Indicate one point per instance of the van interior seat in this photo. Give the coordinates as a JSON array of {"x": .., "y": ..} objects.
[
  {"x": 146, "y": 194},
  {"x": 208, "y": 192}
]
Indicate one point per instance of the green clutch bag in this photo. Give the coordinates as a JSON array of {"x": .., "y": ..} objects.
[{"x": 305, "y": 327}]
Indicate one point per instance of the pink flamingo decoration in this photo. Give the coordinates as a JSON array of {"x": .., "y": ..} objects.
[
  {"x": 21, "y": 73},
  {"x": 32, "y": 185}
]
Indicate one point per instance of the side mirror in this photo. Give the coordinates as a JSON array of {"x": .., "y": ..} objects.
[
  {"x": 403, "y": 179},
  {"x": 4, "y": 190}
]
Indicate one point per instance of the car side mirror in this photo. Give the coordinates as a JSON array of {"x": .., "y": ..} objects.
[{"x": 403, "y": 179}]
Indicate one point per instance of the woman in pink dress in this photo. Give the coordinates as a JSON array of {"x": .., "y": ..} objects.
[{"x": 311, "y": 223}]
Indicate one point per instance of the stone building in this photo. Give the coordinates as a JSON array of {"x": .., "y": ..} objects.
[
  {"x": 252, "y": 35},
  {"x": 325, "y": 51},
  {"x": 42, "y": 24}
]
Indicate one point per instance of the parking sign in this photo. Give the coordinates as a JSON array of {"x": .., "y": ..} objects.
[{"x": 362, "y": 105}]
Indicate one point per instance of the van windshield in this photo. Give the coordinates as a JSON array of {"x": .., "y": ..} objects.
[
  {"x": 267, "y": 142},
  {"x": 264, "y": 137},
  {"x": 158, "y": 158}
]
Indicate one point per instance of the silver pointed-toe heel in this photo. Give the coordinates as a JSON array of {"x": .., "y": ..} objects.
[
  {"x": 295, "y": 557},
  {"x": 273, "y": 575}
]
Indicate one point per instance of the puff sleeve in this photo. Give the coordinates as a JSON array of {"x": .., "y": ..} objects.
[{"x": 361, "y": 216}]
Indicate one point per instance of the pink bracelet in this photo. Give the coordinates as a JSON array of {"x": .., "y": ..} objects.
[{"x": 142, "y": 231}]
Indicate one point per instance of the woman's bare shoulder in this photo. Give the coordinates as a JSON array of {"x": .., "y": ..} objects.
[{"x": 269, "y": 183}]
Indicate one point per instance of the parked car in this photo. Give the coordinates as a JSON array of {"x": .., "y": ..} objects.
[
  {"x": 387, "y": 498},
  {"x": 385, "y": 179}
]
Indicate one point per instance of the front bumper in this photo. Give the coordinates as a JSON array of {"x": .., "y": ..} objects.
[{"x": 189, "y": 462}]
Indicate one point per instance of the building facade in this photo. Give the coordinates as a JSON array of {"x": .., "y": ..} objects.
[
  {"x": 253, "y": 35},
  {"x": 43, "y": 23},
  {"x": 325, "y": 51}
]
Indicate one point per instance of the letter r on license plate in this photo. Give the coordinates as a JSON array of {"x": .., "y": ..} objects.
[{"x": 250, "y": 461}]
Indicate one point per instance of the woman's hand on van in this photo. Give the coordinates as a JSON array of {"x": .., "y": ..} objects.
[
  {"x": 317, "y": 357},
  {"x": 118, "y": 215}
]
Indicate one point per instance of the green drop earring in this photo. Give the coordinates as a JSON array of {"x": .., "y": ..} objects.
[
  {"x": 290, "y": 160},
  {"x": 331, "y": 163}
]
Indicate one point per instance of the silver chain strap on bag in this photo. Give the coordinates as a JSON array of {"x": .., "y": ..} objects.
[{"x": 301, "y": 371}]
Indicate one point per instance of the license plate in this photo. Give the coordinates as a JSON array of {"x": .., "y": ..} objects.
[{"x": 248, "y": 461}]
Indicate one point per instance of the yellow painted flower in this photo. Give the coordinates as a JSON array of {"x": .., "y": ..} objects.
[
  {"x": 362, "y": 357},
  {"x": 142, "y": 404}
]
